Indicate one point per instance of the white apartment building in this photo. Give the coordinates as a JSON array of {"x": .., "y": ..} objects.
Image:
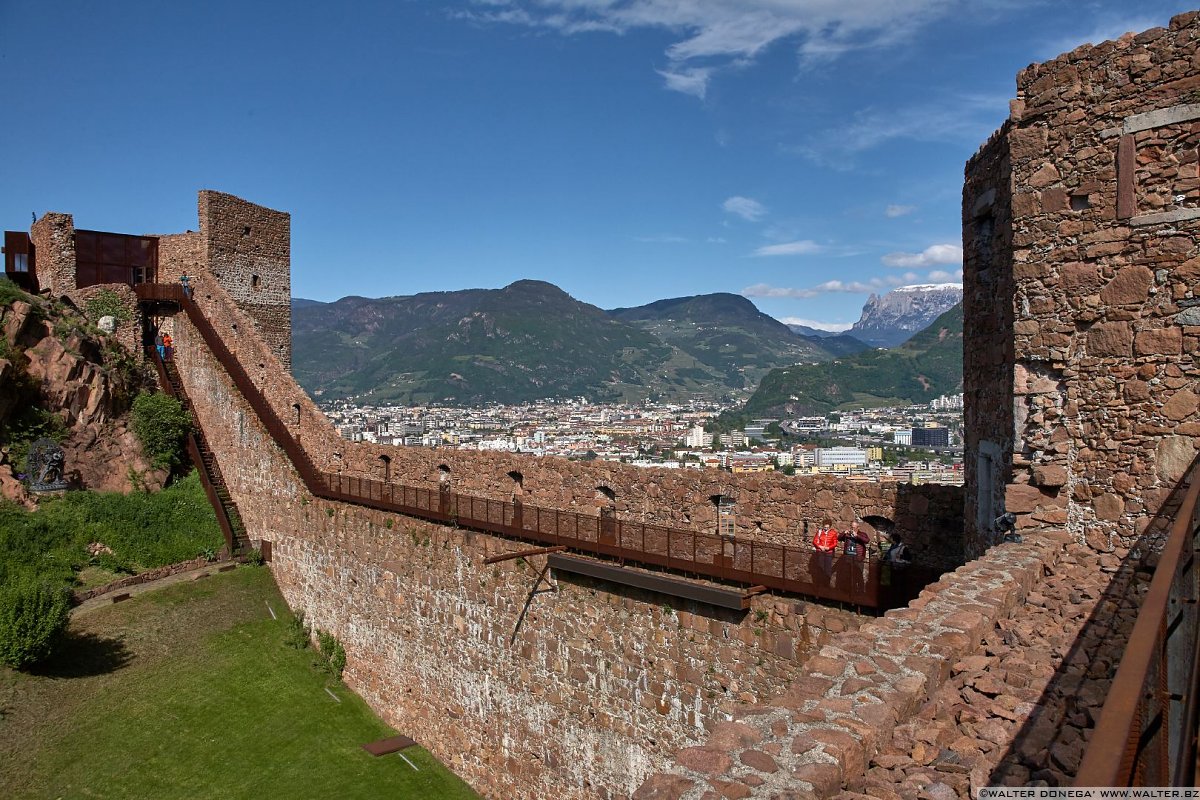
[{"x": 841, "y": 456}]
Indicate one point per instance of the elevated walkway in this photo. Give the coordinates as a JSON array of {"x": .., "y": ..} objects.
[{"x": 865, "y": 583}]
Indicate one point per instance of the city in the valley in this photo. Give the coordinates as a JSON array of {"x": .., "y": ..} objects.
[{"x": 916, "y": 443}]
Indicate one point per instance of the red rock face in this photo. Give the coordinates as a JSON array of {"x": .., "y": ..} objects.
[{"x": 100, "y": 451}]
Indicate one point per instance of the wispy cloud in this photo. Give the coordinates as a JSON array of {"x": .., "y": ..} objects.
[
  {"x": 805, "y": 247},
  {"x": 894, "y": 211},
  {"x": 958, "y": 119},
  {"x": 712, "y": 35},
  {"x": 745, "y": 207},
  {"x": 1100, "y": 29},
  {"x": 834, "y": 286},
  {"x": 832, "y": 327},
  {"x": 932, "y": 256},
  {"x": 941, "y": 276},
  {"x": 692, "y": 81}
]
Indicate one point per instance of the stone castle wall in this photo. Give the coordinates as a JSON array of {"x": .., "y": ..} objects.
[
  {"x": 53, "y": 239},
  {"x": 988, "y": 356},
  {"x": 247, "y": 249},
  {"x": 570, "y": 691},
  {"x": 1104, "y": 261}
]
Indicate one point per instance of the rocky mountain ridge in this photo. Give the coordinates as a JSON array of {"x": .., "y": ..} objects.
[{"x": 891, "y": 319}]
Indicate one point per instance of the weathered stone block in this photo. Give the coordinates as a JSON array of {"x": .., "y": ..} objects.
[
  {"x": 1158, "y": 342},
  {"x": 1110, "y": 339},
  {"x": 1130, "y": 285}
]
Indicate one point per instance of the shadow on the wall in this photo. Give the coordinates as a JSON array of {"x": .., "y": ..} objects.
[
  {"x": 1050, "y": 743},
  {"x": 664, "y": 601},
  {"x": 929, "y": 518}
]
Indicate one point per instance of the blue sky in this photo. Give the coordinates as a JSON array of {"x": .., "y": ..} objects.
[{"x": 801, "y": 152}]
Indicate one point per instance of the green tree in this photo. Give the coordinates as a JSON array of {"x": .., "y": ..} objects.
[
  {"x": 33, "y": 615},
  {"x": 161, "y": 423}
]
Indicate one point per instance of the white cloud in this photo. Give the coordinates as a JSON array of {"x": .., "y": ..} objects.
[
  {"x": 832, "y": 327},
  {"x": 834, "y": 286},
  {"x": 941, "y": 276},
  {"x": 894, "y": 211},
  {"x": 689, "y": 81},
  {"x": 716, "y": 240},
  {"x": 745, "y": 207},
  {"x": 718, "y": 34},
  {"x": 804, "y": 247},
  {"x": 932, "y": 256}
]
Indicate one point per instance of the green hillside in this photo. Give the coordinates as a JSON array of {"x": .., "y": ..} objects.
[
  {"x": 526, "y": 341},
  {"x": 531, "y": 340},
  {"x": 926, "y": 366}
]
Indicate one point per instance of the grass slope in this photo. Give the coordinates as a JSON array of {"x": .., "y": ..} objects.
[
  {"x": 144, "y": 530},
  {"x": 190, "y": 692}
]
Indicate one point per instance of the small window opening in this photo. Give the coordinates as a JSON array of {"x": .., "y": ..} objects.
[
  {"x": 518, "y": 483},
  {"x": 254, "y": 282},
  {"x": 726, "y": 516},
  {"x": 20, "y": 262},
  {"x": 386, "y": 461},
  {"x": 245, "y": 230},
  {"x": 605, "y": 495},
  {"x": 1080, "y": 202},
  {"x": 296, "y": 408},
  {"x": 444, "y": 475}
]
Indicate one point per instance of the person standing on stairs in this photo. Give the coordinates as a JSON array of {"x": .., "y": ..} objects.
[
  {"x": 159, "y": 346},
  {"x": 168, "y": 346}
]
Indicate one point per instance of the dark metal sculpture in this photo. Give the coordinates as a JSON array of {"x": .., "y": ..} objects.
[{"x": 46, "y": 467}]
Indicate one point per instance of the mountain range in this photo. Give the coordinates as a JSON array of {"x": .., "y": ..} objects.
[
  {"x": 925, "y": 367},
  {"x": 890, "y": 319},
  {"x": 531, "y": 340}
]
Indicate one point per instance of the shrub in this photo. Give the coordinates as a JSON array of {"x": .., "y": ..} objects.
[
  {"x": 10, "y": 293},
  {"x": 254, "y": 557},
  {"x": 106, "y": 303},
  {"x": 161, "y": 423},
  {"x": 33, "y": 615},
  {"x": 297, "y": 635},
  {"x": 332, "y": 652}
]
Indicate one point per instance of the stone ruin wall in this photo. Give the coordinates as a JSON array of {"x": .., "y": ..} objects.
[
  {"x": 576, "y": 692},
  {"x": 53, "y": 239},
  {"x": 1100, "y": 179},
  {"x": 988, "y": 347},
  {"x": 247, "y": 249}
]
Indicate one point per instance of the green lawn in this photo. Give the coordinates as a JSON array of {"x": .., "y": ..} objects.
[{"x": 190, "y": 692}]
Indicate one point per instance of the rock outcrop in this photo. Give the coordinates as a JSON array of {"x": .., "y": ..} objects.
[
  {"x": 50, "y": 358},
  {"x": 891, "y": 319}
]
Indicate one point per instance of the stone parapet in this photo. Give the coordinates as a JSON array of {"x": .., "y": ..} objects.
[{"x": 818, "y": 738}]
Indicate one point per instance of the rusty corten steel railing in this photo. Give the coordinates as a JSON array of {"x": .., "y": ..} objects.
[
  {"x": 193, "y": 449},
  {"x": 1147, "y": 731},
  {"x": 863, "y": 582}
]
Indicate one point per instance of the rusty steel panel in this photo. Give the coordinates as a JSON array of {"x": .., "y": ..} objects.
[
  {"x": 102, "y": 257},
  {"x": 1132, "y": 742}
]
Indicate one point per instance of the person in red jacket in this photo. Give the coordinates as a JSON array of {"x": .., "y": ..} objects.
[
  {"x": 826, "y": 537},
  {"x": 824, "y": 543}
]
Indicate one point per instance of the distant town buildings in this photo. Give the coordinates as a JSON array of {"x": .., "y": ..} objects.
[{"x": 866, "y": 444}]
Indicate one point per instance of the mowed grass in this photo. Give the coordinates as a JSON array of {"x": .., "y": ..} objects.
[{"x": 190, "y": 692}]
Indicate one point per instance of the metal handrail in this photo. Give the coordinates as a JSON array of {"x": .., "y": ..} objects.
[
  {"x": 1146, "y": 735},
  {"x": 865, "y": 582},
  {"x": 193, "y": 448}
]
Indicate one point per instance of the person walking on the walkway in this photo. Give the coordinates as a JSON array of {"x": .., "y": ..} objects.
[
  {"x": 159, "y": 346},
  {"x": 168, "y": 346}
]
